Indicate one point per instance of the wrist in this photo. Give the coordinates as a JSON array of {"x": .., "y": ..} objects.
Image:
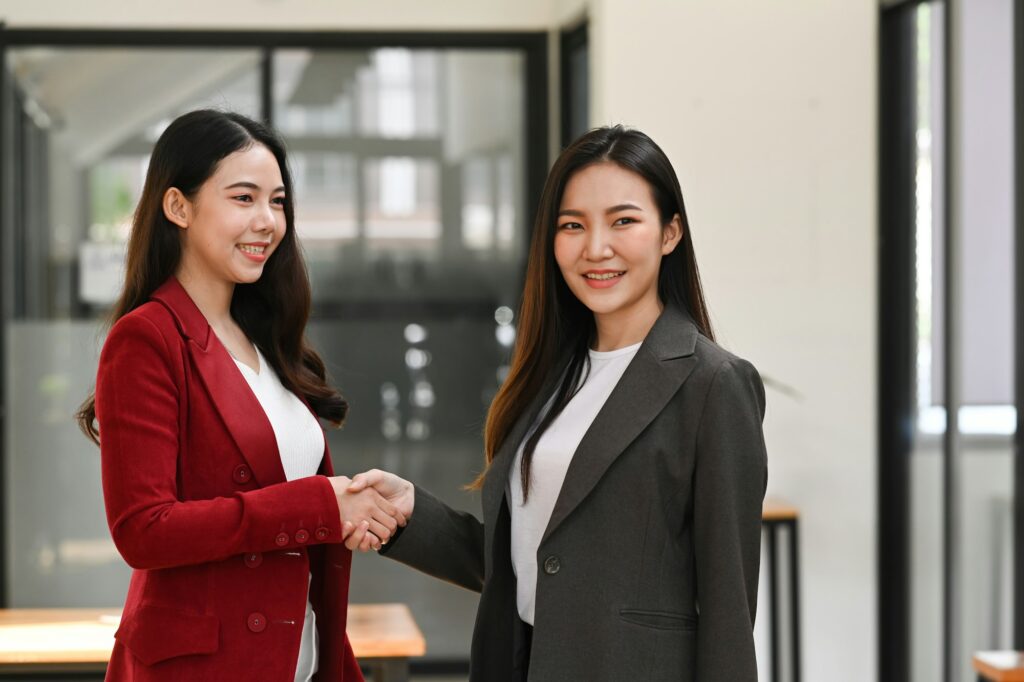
[{"x": 340, "y": 484}]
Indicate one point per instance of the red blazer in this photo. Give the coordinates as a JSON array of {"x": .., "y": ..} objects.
[{"x": 197, "y": 502}]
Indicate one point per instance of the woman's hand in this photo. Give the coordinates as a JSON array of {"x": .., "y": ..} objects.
[
  {"x": 368, "y": 518},
  {"x": 400, "y": 492}
]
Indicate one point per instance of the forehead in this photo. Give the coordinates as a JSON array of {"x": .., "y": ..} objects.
[
  {"x": 255, "y": 162},
  {"x": 607, "y": 184}
]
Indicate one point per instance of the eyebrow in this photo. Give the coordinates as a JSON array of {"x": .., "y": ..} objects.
[
  {"x": 608, "y": 211},
  {"x": 251, "y": 185}
]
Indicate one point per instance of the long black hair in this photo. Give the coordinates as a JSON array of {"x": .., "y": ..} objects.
[
  {"x": 551, "y": 318},
  {"x": 272, "y": 311}
]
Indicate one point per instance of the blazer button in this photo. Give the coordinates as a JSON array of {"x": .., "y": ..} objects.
[
  {"x": 552, "y": 565},
  {"x": 302, "y": 536},
  {"x": 253, "y": 559},
  {"x": 322, "y": 533},
  {"x": 241, "y": 474},
  {"x": 281, "y": 539},
  {"x": 257, "y": 622}
]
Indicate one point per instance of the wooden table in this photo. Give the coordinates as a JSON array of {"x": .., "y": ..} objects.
[
  {"x": 79, "y": 641},
  {"x": 999, "y": 666},
  {"x": 775, "y": 514}
]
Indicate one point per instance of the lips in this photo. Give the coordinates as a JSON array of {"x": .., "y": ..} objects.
[
  {"x": 255, "y": 251},
  {"x": 602, "y": 276},
  {"x": 602, "y": 279}
]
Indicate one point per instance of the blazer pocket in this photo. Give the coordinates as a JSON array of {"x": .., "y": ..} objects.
[
  {"x": 661, "y": 620},
  {"x": 157, "y": 633}
]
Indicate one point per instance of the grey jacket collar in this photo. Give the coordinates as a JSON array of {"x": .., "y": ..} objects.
[{"x": 661, "y": 365}]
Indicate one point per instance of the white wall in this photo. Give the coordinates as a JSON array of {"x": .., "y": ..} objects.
[
  {"x": 768, "y": 112},
  {"x": 447, "y": 15}
]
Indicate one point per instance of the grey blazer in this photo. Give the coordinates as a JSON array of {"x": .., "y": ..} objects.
[{"x": 648, "y": 568}]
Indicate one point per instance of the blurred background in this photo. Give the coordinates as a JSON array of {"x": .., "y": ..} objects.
[{"x": 849, "y": 173}]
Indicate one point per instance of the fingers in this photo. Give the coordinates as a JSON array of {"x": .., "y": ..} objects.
[
  {"x": 355, "y": 540},
  {"x": 400, "y": 518},
  {"x": 384, "y": 505},
  {"x": 370, "y": 541},
  {"x": 347, "y": 529},
  {"x": 380, "y": 530},
  {"x": 367, "y": 479},
  {"x": 390, "y": 521}
]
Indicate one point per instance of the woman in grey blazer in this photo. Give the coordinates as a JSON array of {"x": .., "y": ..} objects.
[{"x": 626, "y": 464}]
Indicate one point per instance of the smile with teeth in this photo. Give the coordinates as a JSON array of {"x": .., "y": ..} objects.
[
  {"x": 254, "y": 250},
  {"x": 603, "y": 275}
]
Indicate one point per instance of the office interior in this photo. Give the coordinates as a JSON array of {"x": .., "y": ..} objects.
[{"x": 850, "y": 173}]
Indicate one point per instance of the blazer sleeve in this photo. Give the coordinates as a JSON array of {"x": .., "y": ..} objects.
[
  {"x": 137, "y": 405},
  {"x": 441, "y": 542},
  {"x": 729, "y": 486}
]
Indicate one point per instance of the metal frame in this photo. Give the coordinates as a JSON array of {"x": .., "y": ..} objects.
[
  {"x": 896, "y": 334},
  {"x": 570, "y": 40},
  {"x": 950, "y": 361},
  {"x": 4, "y": 286},
  {"x": 1018, "y": 439}
]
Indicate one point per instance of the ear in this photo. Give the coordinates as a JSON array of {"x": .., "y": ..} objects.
[
  {"x": 177, "y": 208},
  {"x": 671, "y": 235}
]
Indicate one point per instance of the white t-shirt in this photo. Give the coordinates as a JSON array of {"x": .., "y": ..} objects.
[
  {"x": 551, "y": 459},
  {"x": 300, "y": 441}
]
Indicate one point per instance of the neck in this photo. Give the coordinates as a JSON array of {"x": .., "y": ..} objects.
[
  {"x": 626, "y": 327},
  {"x": 211, "y": 296}
]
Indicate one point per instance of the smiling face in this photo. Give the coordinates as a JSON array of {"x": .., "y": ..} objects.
[
  {"x": 234, "y": 222},
  {"x": 609, "y": 242}
]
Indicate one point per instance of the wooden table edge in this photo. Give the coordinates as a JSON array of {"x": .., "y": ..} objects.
[{"x": 997, "y": 674}]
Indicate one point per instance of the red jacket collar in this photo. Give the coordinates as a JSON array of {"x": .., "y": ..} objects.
[{"x": 190, "y": 320}]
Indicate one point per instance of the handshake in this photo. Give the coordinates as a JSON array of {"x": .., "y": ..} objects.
[{"x": 372, "y": 505}]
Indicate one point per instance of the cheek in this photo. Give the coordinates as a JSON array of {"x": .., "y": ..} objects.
[
  {"x": 645, "y": 250},
  {"x": 563, "y": 251}
]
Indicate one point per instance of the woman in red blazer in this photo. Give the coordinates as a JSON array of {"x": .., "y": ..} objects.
[{"x": 239, "y": 568}]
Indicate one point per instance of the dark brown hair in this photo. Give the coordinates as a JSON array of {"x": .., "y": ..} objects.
[
  {"x": 272, "y": 311},
  {"x": 555, "y": 329}
]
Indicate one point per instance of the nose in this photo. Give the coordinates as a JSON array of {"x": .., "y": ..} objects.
[
  {"x": 597, "y": 245},
  {"x": 265, "y": 220}
]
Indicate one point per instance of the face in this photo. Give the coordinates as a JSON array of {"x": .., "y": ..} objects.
[
  {"x": 609, "y": 241},
  {"x": 235, "y": 221}
]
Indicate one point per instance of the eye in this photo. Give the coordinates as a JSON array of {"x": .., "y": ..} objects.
[
  {"x": 246, "y": 198},
  {"x": 278, "y": 201},
  {"x": 625, "y": 220},
  {"x": 570, "y": 226}
]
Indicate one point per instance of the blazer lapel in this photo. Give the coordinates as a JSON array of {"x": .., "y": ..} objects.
[
  {"x": 496, "y": 482},
  {"x": 661, "y": 365},
  {"x": 229, "y": 392}
]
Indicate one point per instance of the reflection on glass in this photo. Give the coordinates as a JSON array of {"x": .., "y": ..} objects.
[
  {"x": 408, "y": 169},
  {"x": 83, "y": 124}
]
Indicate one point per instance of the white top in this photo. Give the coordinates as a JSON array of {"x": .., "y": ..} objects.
[
  {"x": 551, "y": 459},
  {"x": 300, "y": 441}
]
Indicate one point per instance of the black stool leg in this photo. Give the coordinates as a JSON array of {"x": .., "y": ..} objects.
[
  {"x": 794, "y": 596},
  {"x": 773, "y": 597}
]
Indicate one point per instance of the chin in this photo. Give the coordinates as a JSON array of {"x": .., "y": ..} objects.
[
  {"x": 248, "y": 277},
  {"x": 599, "y": 307}
]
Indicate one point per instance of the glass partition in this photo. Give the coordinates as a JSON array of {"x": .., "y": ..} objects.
[{"x": 410, "y": 205}]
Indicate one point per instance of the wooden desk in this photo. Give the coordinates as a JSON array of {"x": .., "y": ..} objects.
[
  {"x": 39, "y": 641},
  {"x": 999, "y": 666},
  {"x": 775, "y": 514}
]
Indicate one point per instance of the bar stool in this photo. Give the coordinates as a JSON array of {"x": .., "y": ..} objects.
[
  {"x": 999, "y": 666},
  {"x": 777, "y": 514}
]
